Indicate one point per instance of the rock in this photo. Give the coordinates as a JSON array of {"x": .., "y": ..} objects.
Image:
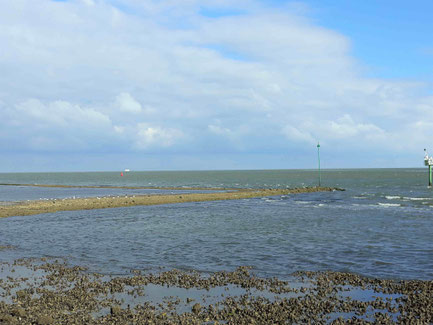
[
  {"x": 45, "y": 320},
  {"x": 196, "y": 308},
  {"x": 7, "y": 319},
  {"x": 19, "y": 312},
  {"x": 21, "y": 294},
  {"x": 115, "y": 310}
]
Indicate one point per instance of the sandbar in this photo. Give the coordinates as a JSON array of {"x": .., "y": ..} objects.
[{"x": 24, "y": 208}]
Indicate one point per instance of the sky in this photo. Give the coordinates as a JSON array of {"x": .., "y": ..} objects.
[{"x": 101, "y": 85}]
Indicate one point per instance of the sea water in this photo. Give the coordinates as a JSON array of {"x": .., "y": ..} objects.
[{"x": 381, "y": 226}]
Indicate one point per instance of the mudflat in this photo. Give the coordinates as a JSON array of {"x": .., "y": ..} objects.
[
  {"x": 45, "y": 293},
  {"x": 53, "y": 205}
]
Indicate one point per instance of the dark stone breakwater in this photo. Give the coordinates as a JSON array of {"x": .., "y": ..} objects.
[{"x": 44, "y": 292}]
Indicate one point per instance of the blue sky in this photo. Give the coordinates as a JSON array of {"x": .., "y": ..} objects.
[
  {"x": 157, "y": 85},
  {"x": 385, "y": 34}
]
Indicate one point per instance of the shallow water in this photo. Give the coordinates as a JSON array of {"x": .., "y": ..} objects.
[
  {"x": 57, "y": 280},
  {"x": 381, "y": 226}
]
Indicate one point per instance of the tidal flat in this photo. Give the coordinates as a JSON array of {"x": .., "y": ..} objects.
[{"x": 49, "y": 291}]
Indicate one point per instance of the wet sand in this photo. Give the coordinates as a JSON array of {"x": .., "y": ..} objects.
[
  {"x": 54, "y": 205},
  {"x": 43, "y": 292}
]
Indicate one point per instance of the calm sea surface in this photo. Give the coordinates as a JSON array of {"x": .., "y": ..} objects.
[{"x": 381, "y": 226}]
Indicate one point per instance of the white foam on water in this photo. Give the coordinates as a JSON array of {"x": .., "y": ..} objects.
[
  {"x": 390, "y": 204},
  {"x": 417, "y": 198},
  {"x": 392, "y": 197},
  {"x": 303, "y": 202}
]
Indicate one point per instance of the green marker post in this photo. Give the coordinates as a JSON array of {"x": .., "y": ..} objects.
[{"x": 318, "y": 157}]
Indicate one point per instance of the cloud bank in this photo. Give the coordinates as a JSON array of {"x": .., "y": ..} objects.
[{"x": 197, "y": 78}]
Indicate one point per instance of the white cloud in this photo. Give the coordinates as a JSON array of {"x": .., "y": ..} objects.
[
  {"x": 345, "y": 127},
  {"x": 154, "y": 136},
  {"x": 295, "y": 134},
  {"x": 218, "y": 130},
  {"x": 119, "y": 129},
  {"x": 88, "y": 2},
  {"x": 127, "y": 103},
  {"x": 60, "y": 114},
  {"x": 150, "y": 74},
  {"x": 57, "y": 125},
  {"x": 63, "y": 125}
]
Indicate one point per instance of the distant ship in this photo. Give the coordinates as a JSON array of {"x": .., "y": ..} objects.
[{"x": 127, "y": 170}]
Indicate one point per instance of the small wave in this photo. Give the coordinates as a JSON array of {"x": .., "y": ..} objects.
[
  {"x": 359, "y": 197},
  {"x": 417, "y": 198},
  {"x": 390, "y": 204},
  {"x": 392, "y": 197},
  {"x": 303, "y": 202}
]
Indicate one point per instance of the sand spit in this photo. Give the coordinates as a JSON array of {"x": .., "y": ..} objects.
[
  {"x": 54, "y": 205},
  {"x": 36, "y": 292}
]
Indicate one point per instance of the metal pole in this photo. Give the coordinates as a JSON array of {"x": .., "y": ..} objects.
[{"x": 318, "y": 157}]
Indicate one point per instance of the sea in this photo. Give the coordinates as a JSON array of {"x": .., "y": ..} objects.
[{"x": 380, "y": 226}]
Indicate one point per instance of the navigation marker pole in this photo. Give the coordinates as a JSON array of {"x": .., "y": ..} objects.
[
  {"x": 428, "y": 161},
  {"x": 429, "y": 174},
  {"x": 318, "y": 157}
]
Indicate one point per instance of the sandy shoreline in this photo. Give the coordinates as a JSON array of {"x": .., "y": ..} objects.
[{"x": 54, "y": 205}]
